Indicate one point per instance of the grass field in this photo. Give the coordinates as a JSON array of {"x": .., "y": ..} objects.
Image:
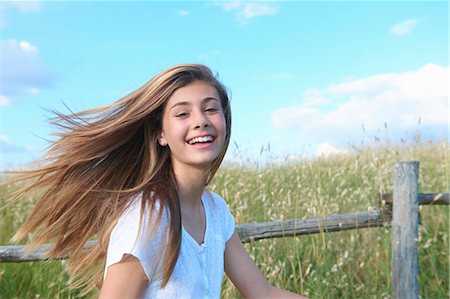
[{"x": 351, "y": 264}]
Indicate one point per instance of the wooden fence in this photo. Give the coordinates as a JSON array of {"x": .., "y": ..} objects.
[{"x": 399, "y": 209}]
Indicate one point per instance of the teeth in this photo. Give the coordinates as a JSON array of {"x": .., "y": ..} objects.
[{"x": 201, "y": 139}]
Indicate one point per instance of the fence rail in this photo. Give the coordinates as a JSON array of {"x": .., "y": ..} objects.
[
  {"x": 249, "y": 232},
  {"x": 424, "y": 198},
  {"x": 399, "y": 209}
]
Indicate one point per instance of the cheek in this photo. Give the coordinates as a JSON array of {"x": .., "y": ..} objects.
[
  {"x": 222, "y": 126},
  {"x": 221, "y": 121},
  {"x": 170, "y": 132}
]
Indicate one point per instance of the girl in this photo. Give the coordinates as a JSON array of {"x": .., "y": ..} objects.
[{"x": 133, "y": 175}]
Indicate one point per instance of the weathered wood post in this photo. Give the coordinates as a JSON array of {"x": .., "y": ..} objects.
[{"x": 405, "y": 222}]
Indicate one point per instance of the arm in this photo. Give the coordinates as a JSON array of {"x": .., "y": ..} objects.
[
  {"x": 125, "y": 279},
  {"x": 246, "y": 276}
]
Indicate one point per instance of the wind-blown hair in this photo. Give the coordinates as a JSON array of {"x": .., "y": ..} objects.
[{"x": 102, "y": 159}]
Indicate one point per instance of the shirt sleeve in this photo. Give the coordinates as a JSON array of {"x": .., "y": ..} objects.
[
  {"x": 228, "y": 223},
  {"x": 145, "y": 242}
]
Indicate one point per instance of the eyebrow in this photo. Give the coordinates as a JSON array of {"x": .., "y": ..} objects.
[{"x": 185, "y": 103}]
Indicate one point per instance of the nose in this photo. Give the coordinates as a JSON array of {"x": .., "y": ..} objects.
[{"x": 201, "y": 121}]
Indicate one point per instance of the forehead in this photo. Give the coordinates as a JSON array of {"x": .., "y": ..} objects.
[{"x": 193, "y": 92}]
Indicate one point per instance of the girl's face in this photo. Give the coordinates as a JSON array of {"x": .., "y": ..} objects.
[{"x": 193, "y": 125}]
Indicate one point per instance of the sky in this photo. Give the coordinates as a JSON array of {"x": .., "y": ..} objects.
[{"x": 305, "y": 78}]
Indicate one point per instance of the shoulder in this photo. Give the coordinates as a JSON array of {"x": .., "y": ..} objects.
[
  {"x": 223, "y": 218},
  {"x": 215, "y": 199},
  {"x": 138, "y": 220},
  {"x": 139, "y": 210},
  {"x": 139, "y": 233}
]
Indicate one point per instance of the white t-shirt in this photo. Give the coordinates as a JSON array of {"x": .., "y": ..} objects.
[{"x": 199, "y": 269}]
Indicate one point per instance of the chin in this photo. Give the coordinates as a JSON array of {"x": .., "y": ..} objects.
[{"x": 204, "y": 162}]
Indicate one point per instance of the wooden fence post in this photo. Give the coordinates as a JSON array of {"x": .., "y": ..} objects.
[{"x": 405, "y": 223}]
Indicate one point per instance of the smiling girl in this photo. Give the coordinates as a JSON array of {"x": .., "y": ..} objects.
[{"x": 133, "y": 175}]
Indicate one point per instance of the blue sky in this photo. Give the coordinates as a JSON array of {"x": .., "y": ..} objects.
[{"x": 305, "y": 77}]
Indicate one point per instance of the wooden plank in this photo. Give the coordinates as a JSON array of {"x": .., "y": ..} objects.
[
  {"x": 424, "y": 198},
  {"x": 19, "y": 253},
  {"x": 248, "y": 232},
  {"x": 405, "y": 224},
  {"x": 333, "y": 223}
]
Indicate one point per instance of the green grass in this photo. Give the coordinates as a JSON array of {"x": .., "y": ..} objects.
[{"x": 350, "y": 264}]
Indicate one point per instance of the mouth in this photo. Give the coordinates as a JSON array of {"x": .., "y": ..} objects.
[{"x": 201, "y": 139}]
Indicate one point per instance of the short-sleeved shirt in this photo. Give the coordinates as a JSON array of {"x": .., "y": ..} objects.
[{"x": 198, "y": 272}]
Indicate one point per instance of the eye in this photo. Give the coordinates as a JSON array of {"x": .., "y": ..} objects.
[
  {"x": 182, "y": 115},
  {"x": 211, "y": 109}
]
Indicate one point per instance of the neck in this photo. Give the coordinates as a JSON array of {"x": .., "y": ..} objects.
[{"x": 191, "y": 184}]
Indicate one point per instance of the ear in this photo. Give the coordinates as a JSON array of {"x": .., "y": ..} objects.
[{"x": 161, "y": 139}]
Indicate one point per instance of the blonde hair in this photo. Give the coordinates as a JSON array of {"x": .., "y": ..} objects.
[{"x": 102, "y": 159}]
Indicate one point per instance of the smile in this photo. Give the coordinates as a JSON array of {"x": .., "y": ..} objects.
[{"x": 202, "y": 139}]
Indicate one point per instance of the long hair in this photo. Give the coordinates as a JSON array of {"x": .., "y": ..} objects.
[{"x": 102, "y": 159}]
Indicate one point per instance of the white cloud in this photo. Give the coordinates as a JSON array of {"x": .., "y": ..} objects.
[
  {"x": 28, "y": 6},
  {"x": 230, "y": 5},
  {"x": 8, "y": 147},
  {"x": 325, "y": 149},
  {"x": 4, "y": 100},
  {"x": 4, "y": 138},
  {"x": 34, "y": 90},
  {"x": 338, "y": 111},
  {"x": 22, "y": 70},
  {"x": 27, "y": 48},
  {"x": 314, "y": 97},
  {"x": 24, "y": 7},
  {"x": 245, "y": 11},
  {"x": 251, "y": 10},
  {"x": 183, "y": 12},
  {"x": 404, "y": 27}
]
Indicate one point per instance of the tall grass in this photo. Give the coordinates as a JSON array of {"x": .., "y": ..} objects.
[{"x": 351, "y": 264}]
